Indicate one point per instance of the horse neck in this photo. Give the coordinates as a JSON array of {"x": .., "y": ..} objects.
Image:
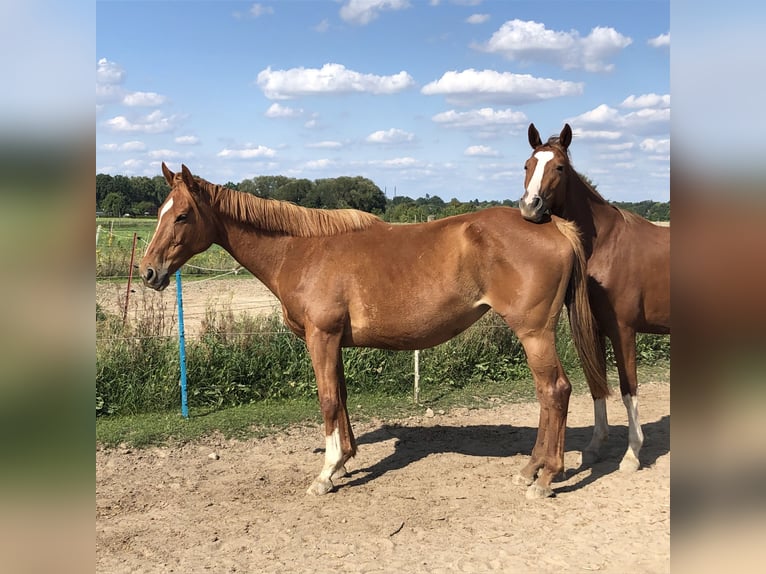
[
  {"x": 592, "y": 213},
  {"x": 258, "y": 251}
]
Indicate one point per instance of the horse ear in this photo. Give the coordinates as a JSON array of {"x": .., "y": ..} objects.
[
  {"x": 169, "y": 175},
  {"x": 565, "y": 137},
  {"x": 534, "y": 137},
  {"x": 187, "y": 177}
]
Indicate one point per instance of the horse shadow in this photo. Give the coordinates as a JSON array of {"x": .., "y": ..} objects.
[{"x": 503, "y": 441}]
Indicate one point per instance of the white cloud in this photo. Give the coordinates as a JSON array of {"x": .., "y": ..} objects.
[
  {"x": 166, "y": 154},
  {"x": 132, "y": 146},
  {"x": 319, "y": 164},
  {"x": 143, "y": 99},
  {"x": 187, "y": 140},
  {"x": 647, "y": 101},
  {"x": 530, "y": 41},
  {"x": 153, "y": 123},
  {"x": 257, "y": 10},
  {"x": 109, "y": 72},
  {"x": 132, "y": 164},
  {"x": 396, "y": 163},
  {"x": 363, "y": 12},
  {"x": 480, "y": 118},
  {"x": 661, "y": 41},
  {"x": 247, "y": 152},
  {"x": 278, "y": 111},
  {"x": 480, "y": 150},
  {"x": 477, "y": 18},
  {"x": 323, "y": 26},
  {"x": 325, "y": 145},
  {"x": 655, "y": 146},
  {"x": 471, "y": 86},
  {"x": 109, "y": 77},
  {"x": 608, "y": 135},
  {"x": 617, "y": 156},
  {"x": 391, "y": 136},
  {"x": 329, "y": 79},
  {"x": 602, "y": 114},
  {"x": 646, "y": 121},
  {"x": 619, "y": 146}
]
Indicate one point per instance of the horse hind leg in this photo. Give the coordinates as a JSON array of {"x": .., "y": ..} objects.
[
  {"x": 625, "y": 353},
  {"x": 593, "y": 451}
]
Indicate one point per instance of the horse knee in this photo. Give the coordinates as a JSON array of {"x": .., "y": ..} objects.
[
  {"x": 558, "y": 392},
  {"x": 329, "y": 406}
]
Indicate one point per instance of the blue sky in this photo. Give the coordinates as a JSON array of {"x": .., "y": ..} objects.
[{"x": 422, "y": 97}]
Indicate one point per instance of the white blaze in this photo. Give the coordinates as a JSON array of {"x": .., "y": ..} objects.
[
  {"x": 163, "y": 211},
  {"x": 533, "y": 188}
]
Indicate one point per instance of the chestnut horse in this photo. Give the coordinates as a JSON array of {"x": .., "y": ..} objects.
[
  {"x": 345, "y": 278},
  {"x": 628, "y": 272}
]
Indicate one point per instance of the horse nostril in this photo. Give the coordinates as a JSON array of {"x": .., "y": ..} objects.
[
  {"x": 149, "y": 274},
  {"x": 537, "y": 202}
]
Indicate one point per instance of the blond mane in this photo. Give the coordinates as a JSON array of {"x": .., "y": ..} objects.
[{"x": 282, "y": 216}]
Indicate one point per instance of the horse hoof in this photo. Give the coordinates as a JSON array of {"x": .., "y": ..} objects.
[
  {"x": 521, "y": 480},
  {"x": 536, "y": 492},
  {"x": 629, "y": 464},
  {"x": 320, "y": 487}
]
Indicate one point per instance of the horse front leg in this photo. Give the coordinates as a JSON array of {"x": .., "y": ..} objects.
[
  {"x": 340, "y": 444},
  {"x": 553, "y": 391},
  {"x": 625, "y": 354}
]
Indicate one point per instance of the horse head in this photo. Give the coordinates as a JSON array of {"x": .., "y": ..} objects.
[
  {"x": 546, "y": 175},
  {"x": 181, "y": 229}
]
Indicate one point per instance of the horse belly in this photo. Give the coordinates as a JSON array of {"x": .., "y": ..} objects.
[{"x": 409, "y": 327}]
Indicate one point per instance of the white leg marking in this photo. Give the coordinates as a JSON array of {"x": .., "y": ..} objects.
[
  {"x": 600, "y": 432},
  {"x": 630, "y": 461},
  {"x": 163, "y": 211},
  {"x": 333, "y": 457}
]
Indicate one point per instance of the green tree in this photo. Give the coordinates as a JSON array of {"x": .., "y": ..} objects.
[
  {"x": 295, "y": 191},
  {"x": 114, "y": 204}
]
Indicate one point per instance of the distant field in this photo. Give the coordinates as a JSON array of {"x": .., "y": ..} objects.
[{"x": 115, "y": 241}]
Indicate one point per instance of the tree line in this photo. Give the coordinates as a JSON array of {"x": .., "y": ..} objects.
[{"x": 138, "y": 196}]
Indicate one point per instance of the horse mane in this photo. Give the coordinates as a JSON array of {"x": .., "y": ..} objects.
[
  {"x": 628, "y": 216},
  {"x": 284, "y": 217}
]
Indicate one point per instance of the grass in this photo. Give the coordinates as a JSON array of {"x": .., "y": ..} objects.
[
  {"x": 266, "y": 417},
  {"x": 115, "y": 243}
]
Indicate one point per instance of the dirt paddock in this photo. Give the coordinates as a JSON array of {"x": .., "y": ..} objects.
[
  {"x": 428, "y": 494},
  {"x": 424, "y": 495}
]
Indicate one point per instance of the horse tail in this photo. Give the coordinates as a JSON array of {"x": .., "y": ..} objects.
[{"x": 581, "y": 321}]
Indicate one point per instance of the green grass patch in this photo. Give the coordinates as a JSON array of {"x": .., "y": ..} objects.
[
  {"x": 115, "y": 245},
  {"x": 267, "y": 417}
]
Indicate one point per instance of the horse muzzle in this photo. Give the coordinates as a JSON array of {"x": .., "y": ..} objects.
[
  {"x": 155, "y": 279},
  {"x": 533, "y": 210}
]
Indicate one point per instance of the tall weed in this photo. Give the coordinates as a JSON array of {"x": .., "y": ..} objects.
[{"x": 239, "y": 359}]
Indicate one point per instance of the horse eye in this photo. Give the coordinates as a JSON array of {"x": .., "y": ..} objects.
[
  {"x": 559, "y": 168},
  {"x": 181, "y": 218}
]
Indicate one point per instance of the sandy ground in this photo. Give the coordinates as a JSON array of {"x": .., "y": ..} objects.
[{"x": 428, "y": 494}]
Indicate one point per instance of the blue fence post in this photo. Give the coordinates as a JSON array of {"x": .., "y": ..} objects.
[{"x": 182, "y": 345}]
